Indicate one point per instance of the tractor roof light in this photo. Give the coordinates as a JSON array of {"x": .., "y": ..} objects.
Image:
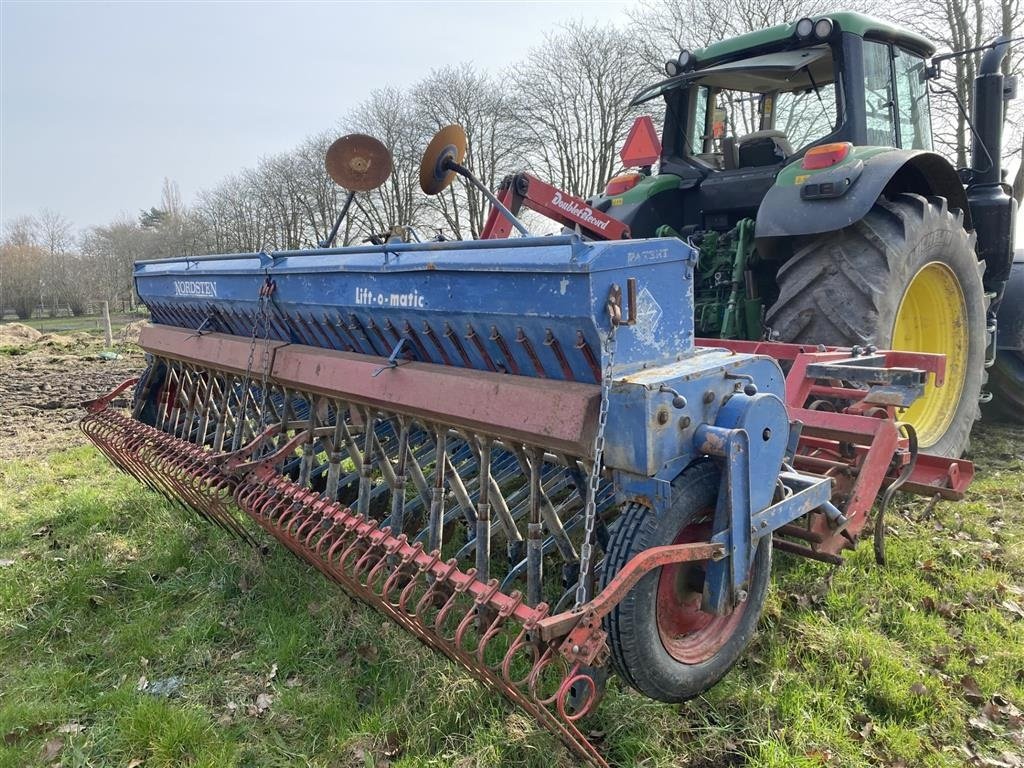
[
  {"x": 672, "y": 68},
  {"x": 825, "y": 155},
  {"x": 804, "y": 28},
  {"x": 823, "y": 28},
  {"x": 685, "y": 60}
]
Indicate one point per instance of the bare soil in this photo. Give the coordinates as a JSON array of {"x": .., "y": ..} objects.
[{"x": 43, "y": 380}]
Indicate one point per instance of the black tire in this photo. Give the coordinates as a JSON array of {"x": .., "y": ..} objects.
[
  {"x": 151, "y": 382},
  {"x": 844, "y": 288},
  {"x": 1006, "y": 383},
  {"x": 638, "y": 652},
  {"x": 1006, "y": 377}
]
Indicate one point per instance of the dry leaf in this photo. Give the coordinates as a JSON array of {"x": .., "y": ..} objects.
[
  {"x": 971, "y": 690},
  {"x": 134, "y": 763},
  {"x": 142, "y": 684},
  {"x": 263, "y": 702},
  {"x": 981, "y": 724},
  {"x": 71, "y": 728},
  {"x": 292, "y": 681},
  {"x": 1013, "y": 607},
  {"x": 236, "y": 655},
  {"x": 4, "y": 562},
  {"x": 51, "y": 749},
  {"x": 270, "y": 675}
]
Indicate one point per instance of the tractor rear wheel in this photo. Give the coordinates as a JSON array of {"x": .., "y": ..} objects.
[
  {"x": 1006, "y": 377},
  {"x": 904, "y": 277},
  {"x": 662, "y": 643}
]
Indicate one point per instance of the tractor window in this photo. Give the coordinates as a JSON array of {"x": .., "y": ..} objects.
[
  {"x": 766, "y": 108},
  {"x": 807, "y": 115},
  {"x": 878, "y": 95},
  {"x": 912, "y": 97},
  {"x": 700, "y": 110}
]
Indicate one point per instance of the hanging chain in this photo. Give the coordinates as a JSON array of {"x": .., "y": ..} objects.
[
  {"x": 594, "y": 476},
  {"x": 261, "y": 326},
  {"x": 266, "y": 292}
]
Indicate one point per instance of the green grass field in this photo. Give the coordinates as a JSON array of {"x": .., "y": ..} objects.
[{"x": 131, "y": 635}]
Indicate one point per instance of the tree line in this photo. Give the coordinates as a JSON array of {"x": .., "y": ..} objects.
[{"x": 563, "y": 113}]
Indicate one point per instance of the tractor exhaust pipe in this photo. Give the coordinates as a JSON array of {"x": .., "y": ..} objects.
[
  {"x": 989, "y": 113},
  {"x": 993, "y": 209}
]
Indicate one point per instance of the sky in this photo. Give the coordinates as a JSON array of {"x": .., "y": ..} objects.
[{"x": 99, "y": 102}]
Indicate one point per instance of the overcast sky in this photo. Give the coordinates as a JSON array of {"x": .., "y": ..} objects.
[{"x": 101, "y": 101}]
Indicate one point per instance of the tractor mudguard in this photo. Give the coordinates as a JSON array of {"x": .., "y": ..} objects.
[{"x": 786, "y": 210}]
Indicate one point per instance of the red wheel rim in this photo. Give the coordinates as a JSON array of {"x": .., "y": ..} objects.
[{"x": 690, "y": 635}]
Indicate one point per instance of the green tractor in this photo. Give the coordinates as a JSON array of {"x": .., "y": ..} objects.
[{"x": 799, "y": 160}]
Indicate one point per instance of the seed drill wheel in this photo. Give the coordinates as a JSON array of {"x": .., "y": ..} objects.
[
  {"x": 904, "y": 277},
  {"x": 662, "y": 643}
]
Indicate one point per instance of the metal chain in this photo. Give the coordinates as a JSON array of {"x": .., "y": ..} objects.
[
  {"x": 594, "y": 476},
  {"x": 262, "y": 324},
  {"x": 265, "y": 298}
]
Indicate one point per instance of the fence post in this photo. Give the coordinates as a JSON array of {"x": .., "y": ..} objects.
[{"x": 108, "y": 334}]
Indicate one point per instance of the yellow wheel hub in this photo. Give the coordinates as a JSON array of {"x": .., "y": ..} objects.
[{"x": 932, "y": 317}]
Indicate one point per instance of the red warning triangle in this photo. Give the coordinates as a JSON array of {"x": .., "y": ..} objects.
[{"x": 642, "y": 146}]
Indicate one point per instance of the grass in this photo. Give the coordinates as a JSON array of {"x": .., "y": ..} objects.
[{"x": 105, "y": 589}]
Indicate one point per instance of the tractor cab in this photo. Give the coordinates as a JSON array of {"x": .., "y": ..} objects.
[
  {"x": 787, "y": 154},
  {"x": 739, "y": 111}
]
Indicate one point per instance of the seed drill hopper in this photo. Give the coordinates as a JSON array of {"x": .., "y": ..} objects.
[{"x": 515, "y": 449}]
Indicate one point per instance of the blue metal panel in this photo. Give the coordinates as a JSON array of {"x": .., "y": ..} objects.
[
  {"x": 648, "y": 436},
  {"x": 531, "y": 306}
]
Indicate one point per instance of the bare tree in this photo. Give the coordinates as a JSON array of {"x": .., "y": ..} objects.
[
  {"x": 665, "y": 27},
  {"x": 958, "y": 25},
  {"x": 63, "y": 287},
  {"x": 388, "y": 115},
  {"x": 110, "y": 252},
  {"x": 572, "y": 96},
  {"x": 21, "y": 272},
  {"x": 473, "y": 99}
]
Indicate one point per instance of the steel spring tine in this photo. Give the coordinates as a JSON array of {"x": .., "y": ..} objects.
[
  {"x": 381, "y": 570},
  {"x": 470, "y": 621},
  {"x": 448, "y": 607},
  {"x": 326, "y": 528},
  {"x": 565, "y": 689},
  {"x": 311, "y": 526},
  {"x": 549, "y": 657},
  {"x": 405, "y": 570},
  {"x": 427, "y": 596},
  {"x": 343, "y": 540},
  {"x": 367, "y": 563},
  {"x": 332, "y": 532},
  {"x": 522, "y": 641},
  {"x": 497, "y": 624},
  {"x": 352, "y": 554}
]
